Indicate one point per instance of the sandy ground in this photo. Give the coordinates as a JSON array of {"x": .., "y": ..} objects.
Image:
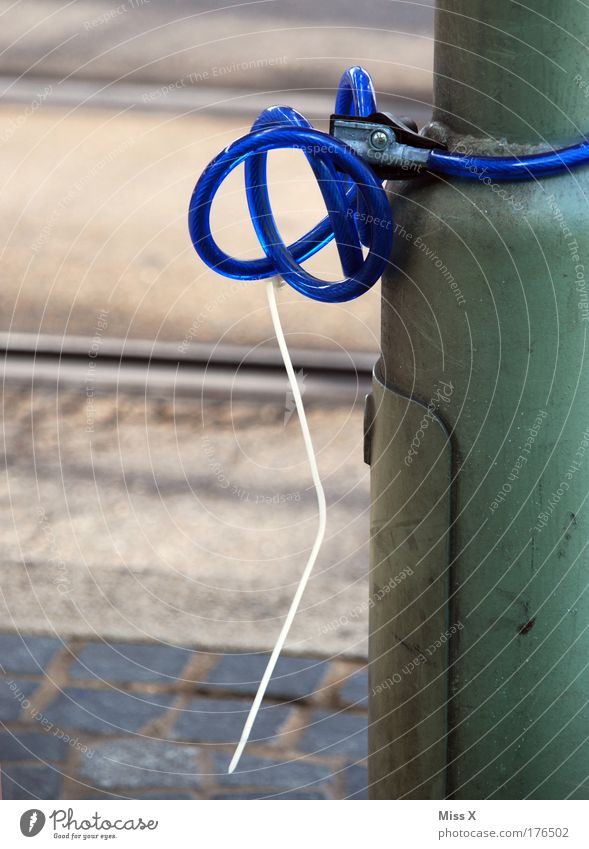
[
  {"x": 132, "y": 532},
  {"x": 96, "y": 208},
  {"x": 151, "y": 519},
  {"x": 140, "y": 519},
  {"x": 259, "y": 44}
]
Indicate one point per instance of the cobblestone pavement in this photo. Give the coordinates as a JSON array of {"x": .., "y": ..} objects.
[{"x": 91, "y": 720}]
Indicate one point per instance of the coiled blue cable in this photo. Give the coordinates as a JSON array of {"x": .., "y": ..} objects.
[
  {"x": 357, "y": 205},
  {"x": 358, "y": 209}
]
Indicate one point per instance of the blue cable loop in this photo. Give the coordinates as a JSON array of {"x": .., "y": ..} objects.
[
  {"x": 357, "y": 205},
  {"x": 358, "y": 211}
]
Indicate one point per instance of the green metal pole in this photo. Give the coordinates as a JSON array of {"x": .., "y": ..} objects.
[{"x": 477, "y": 433}]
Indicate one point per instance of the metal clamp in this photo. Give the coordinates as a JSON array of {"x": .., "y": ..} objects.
[{"x": 391, "y": 146}]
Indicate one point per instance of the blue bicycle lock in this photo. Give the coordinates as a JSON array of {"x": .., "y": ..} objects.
[{"x": 364, "y": 147}]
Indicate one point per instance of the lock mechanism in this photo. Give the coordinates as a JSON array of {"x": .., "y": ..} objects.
[{"x": 391, "y": 146}]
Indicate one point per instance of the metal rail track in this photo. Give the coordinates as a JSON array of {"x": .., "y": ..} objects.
[{"x": 166, "y": 369}]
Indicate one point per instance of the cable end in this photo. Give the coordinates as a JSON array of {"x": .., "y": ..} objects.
[{"x": 235, "y": 759}]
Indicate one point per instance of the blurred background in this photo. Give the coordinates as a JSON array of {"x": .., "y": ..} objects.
[{"x": 156, "y": 496}]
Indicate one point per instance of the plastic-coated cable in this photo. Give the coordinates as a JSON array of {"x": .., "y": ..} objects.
[
  {"x": 508, "y": 167},
  {"x": 357, "y": 205}
]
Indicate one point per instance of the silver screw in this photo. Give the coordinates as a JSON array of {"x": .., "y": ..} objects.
[{"x": 379, "y": 139}]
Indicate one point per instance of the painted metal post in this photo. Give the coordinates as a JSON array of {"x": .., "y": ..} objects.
[{"x": 478, "y": 433}]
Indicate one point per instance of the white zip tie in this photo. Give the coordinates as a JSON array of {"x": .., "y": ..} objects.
[{"x": 270, "y": 287}]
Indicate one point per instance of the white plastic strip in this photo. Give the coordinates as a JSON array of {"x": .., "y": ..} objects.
[{"x": 270, "y": 291}]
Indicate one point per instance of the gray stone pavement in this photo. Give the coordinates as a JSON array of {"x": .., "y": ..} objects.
[{"x": 98, "y": 720}]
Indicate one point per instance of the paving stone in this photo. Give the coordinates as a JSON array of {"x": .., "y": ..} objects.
[
  {"x": 340, "y": 733},
  {"x": 354, "y": 689},
  {"x": 301, "y": 775},
  {"x": 92, "y": 795},
  {"x": 141, "y": 763},
  {"x": 356, "y": 782},
  {"x": 293, "y": 678},
  {"x": 222, "y": 721},
  {"x": 26, "y": 746},
  {"x": 141, "y": 768},
  {"x": 105, "y": 711},
  {"x": 126, "y": 662},
  {"x": 124, "y": 795},
  {"x": 25, "y": 654},
  {"x": 315, "y": 796},
  {"x": 162, "y": 794},
  {"x": 12, "y": 694},
  {"x": 30, "y": 782}
]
